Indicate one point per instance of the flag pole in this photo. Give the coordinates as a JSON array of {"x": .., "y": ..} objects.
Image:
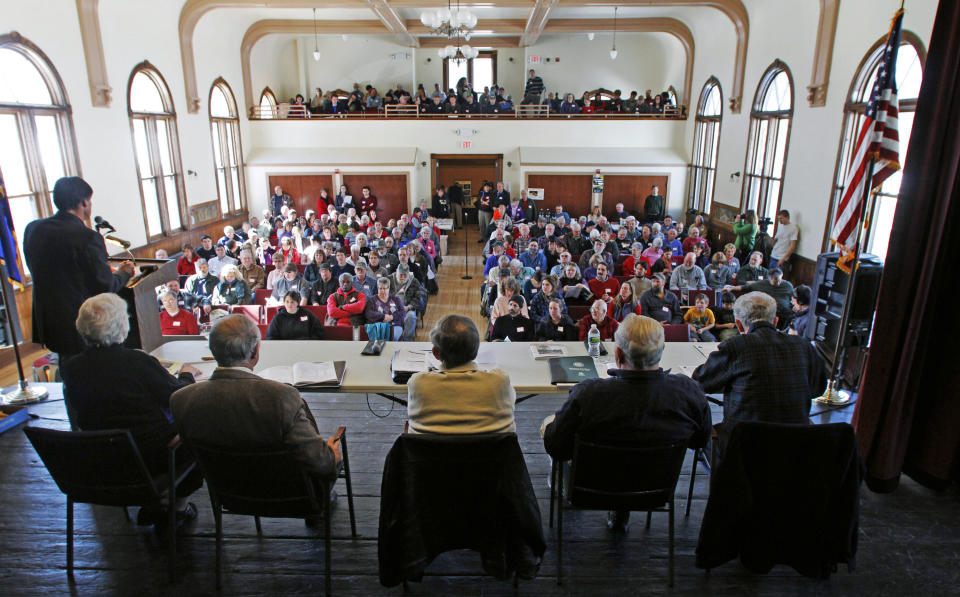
[
  {"x": 24, "y": 393},
  {"x": 832, "y": 395}
]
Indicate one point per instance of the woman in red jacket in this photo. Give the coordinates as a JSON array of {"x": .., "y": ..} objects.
[
  {"x": 186, "y": 264},
  {"x": 175, "y": 321}
]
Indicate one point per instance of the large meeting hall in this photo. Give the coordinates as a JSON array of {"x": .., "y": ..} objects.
[{"x": 463, "y": 297}]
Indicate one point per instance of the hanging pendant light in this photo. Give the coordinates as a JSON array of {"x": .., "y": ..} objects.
[
  {"x": 316, "y": 44},
  {"x": 613, "y": 50}
]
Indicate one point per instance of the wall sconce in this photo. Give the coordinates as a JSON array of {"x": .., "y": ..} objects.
[
  {"x": 429, "y": 59},
  {"x": 509, "y": 164},
  {"x": 510, "y": 59},
  {"x": 423, "y": 164},
  {"x": 191, "y": 173},
  {"x": 735, "y": 175}
]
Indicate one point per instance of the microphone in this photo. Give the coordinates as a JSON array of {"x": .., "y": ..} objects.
[
  {"x": 103, "y": 224},
  {"x": 124, "y": 244}
]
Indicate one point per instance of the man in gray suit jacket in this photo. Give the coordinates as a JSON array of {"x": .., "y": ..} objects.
[{"x": 236, "y": 408}]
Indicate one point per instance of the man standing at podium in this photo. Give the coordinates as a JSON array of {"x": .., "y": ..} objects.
[{"x": 68, "y": 262}]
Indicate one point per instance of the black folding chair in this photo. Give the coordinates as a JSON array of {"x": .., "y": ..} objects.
[
  {"x": 106, "y": 468},
  {"x": 618, "y": 477},
  {"x": 699, "y": 455},
  {"x": 270, "y": 483}
]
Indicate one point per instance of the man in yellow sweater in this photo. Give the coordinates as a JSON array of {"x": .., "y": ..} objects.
[{"x": 459, "y": 397}]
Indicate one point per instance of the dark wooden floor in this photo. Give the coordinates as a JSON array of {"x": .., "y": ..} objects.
[{"x": 909, "y": 541}]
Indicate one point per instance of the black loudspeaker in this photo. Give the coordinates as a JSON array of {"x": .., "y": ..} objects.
[{"x": 828, "y": 295}]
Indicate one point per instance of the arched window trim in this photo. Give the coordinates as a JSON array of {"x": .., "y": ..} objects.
[
  {"x": 757, "y": 115},
  {"x": 852, "y": 107},
  {"x": 702, "y": 199},
  {"x": 41, "y": 189},
  {"x": 271, "y": 98},
  {"x": 170, "y": 119},
  {"x": 219, "y": 130}
]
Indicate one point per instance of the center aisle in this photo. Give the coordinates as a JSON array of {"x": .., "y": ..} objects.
[{"x": 456, "y": 296}]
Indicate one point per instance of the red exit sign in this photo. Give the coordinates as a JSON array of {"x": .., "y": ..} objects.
[{"x": 466, "y": 145}]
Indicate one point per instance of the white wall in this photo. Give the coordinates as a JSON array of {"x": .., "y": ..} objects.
[
  {"x": 273, "y": 64},
  {"x": 644, "y": 61},
  {"x": 364, "y": 60}
]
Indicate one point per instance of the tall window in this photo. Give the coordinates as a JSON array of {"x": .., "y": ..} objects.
[
  {"x": 36, "y": 131},
  {"x": 268, "y": 103},
  {"x": 156, "y": 146},
  {"x": 227, "y": 155},
  {"x": 909, "y": 71},
  {"x": 706, "y": 141},
  {"x": 480, "y": 71},
  {"x": 767, "y": 143}
]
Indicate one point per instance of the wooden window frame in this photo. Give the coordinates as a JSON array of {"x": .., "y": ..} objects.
[
  {"x": 169, "y": 120},
  {"x": 773, "y": 120},
  {"x": 706, "y": 130},
  {"x": 41, "y": 193},
  {"x": 492, "y": 54},
  {"x": 225, "y": 131},
  {"x": 853, "y": 112}
]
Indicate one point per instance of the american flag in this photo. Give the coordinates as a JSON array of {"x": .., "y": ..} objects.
[{"x": 878, "y": 139}]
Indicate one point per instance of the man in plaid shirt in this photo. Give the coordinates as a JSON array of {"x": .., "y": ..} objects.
[{"x": 764, "y": 375}]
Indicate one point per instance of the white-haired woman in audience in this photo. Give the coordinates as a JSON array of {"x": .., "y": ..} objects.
[
  {"x": 654, "y": 251},
  {"x": 232, "y": 289},
  {"x": 175, "y": 321},
  {"x": 385, "y": 307},
  {"x": 109, "y": 386}
]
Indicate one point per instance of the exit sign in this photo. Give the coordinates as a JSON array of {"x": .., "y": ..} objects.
[
  {"x": 534, "y": 59},
  {"x": 466, "y": 145}
]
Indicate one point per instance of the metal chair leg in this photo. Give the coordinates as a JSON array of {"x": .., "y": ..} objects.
[
  {"x": 553, "y": 489},
  {"x": 649, "y": 517},
  {"x": 559, "y": 487},
  {"x": 218, "y": 517},
  {"x": 256, "y": 520},
  {"x": 349, "y": 482},
  {"x": 69, "y": 536},
  {"x": 126, "y": 513},
  {"x": 693, "y": 478},
  {"x": 671, "y": 541},
  {"x": 327, "y": 547},
  {"x": 172, "y": 537}
]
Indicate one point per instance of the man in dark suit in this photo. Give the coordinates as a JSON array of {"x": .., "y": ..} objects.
[
  {"x": 638, "y": 403},
  {"x": 502, "y": 196},
  {"x": 654, "y": 206},
  {"x": 238, "y": 409},
  {"x": 764, "y": 375},
  {"x": 68, "y": 262}
]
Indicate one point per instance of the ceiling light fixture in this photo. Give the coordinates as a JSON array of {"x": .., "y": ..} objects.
[
  {"x": 316, "y": 43},
  {"x": 613, "y": 50},
  {"x": 449, "y": 22}
]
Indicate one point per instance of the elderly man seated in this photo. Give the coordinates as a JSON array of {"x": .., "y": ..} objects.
[
  {"x": 764, "y": 375},
  {"x": 459, "y": 398},
  {"x": 775, "y": 286},
  {"x": 688, "y": 275},
  {"x": 109, "y": 386},
  {"x": 238, "y": 409},
  {"x": 412, "y": 294},
  {"x": 175, "y": 321},
  {"x": 639, "y": 403},
  {"x": 202, "y": 284},
  {"x": 598, "y": 316}
]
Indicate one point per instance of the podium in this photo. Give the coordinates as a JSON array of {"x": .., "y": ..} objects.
[{"x": 141, "y": 296}]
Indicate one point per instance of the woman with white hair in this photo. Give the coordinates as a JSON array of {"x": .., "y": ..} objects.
[
  {"x": 654, "y": 251},
  {"x": 231, "y": 290},
  {"x": 109, "y": 386}
]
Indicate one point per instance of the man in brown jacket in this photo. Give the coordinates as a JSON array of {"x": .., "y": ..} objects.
[{"x": 238, "y": 409}]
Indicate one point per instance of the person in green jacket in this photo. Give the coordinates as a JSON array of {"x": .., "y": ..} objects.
[{"x": 745, "y": 229}]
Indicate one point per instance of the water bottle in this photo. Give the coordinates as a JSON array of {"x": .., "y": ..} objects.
[{"x": 593, "y": 341}]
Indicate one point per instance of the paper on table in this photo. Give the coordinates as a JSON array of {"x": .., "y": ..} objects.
[
  {"x": 206, "y": 369},
  {"x": 414, "y": 360},
  {"x": 486, "y": 356},
  {"x": 301, "y": 373}
]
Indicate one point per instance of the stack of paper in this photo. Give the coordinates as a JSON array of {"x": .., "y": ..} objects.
[{"x": 306, "y": 375}]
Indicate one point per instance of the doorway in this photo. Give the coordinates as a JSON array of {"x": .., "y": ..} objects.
[{"x": 471, "y": 171}]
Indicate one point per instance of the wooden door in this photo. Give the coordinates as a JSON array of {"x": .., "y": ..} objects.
[
  {"x": 304, "y": 188},
  {"x": 389, "y": 189},
  {"x": 631, "y": 190},
  {"x": 572, "y": 191},
  {"x": 473, "y": 169}
]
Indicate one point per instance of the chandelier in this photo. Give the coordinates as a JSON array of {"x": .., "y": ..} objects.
[{"x": 450, "y": 22}]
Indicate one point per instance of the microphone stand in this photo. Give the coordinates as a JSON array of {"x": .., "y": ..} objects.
[
  {"x": 25, "y": 393},
  {"x": 466, "y": 247}
]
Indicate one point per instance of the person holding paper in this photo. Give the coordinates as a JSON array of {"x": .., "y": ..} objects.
[
  {"x": 293, "y": 322},
  {"x": 237, "y": 409},
  {"x": 459, "y": 398}
]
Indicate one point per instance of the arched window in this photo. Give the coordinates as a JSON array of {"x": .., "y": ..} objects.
[
  {"x": 37, "y": 143},
  {"x": 268, "y": 103},
  {"x": 227, "y": 155},
  {"x": 706, "y": 141},
  {"x": 909, "y": 72},
  {"x": 767, "y": 142},
  {"x": 156, "y": 146}
]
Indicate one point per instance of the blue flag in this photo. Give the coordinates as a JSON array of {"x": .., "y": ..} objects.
[{"x": 9, "y": 256}]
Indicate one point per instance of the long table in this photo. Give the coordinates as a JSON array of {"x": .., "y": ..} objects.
[{"x": 371, "y": 374}]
